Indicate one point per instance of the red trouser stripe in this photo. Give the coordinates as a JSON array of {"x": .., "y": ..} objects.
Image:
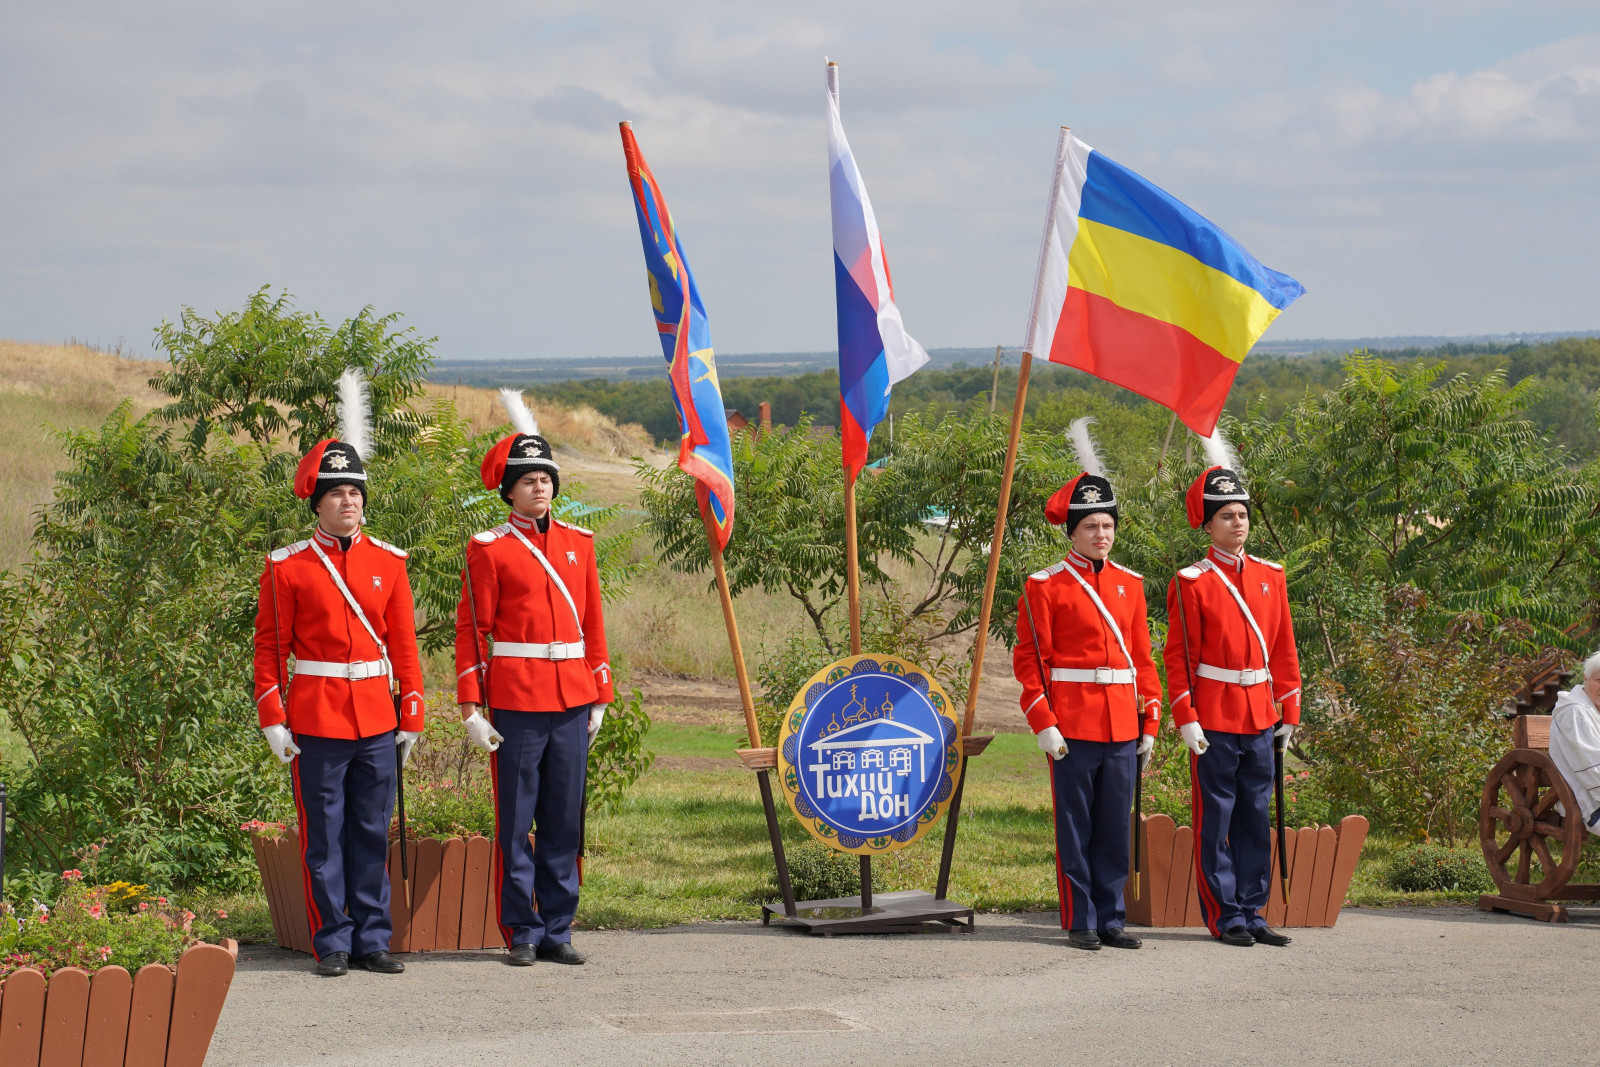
[
  {"x": 1063, "y": 883},
  {"x": 313, "y": 915},
  {"x": 497, "y": 859},
  {"x": 1209, "y": 909}
]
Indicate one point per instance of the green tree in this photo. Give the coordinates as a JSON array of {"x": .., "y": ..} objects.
[{"x": 125, "y": 645}]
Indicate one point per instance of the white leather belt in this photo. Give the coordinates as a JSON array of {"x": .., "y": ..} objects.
[
  {"x": 1246, "y": 677},
  {"x": 356, "y": 672},
  {"x": 1097, "y": 675},
  {"x": 555, "y": 650}
]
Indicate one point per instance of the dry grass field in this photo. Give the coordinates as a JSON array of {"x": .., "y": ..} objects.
[{"x": 44, "y": 389}]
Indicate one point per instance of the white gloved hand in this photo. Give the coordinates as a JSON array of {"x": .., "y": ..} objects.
[
  {"x": 1285, "y": 735},
  {"x": 481, "y": 733},
  {"x": 1146, "y": 743},
  {"x": 597, "y": 714},
  {"x": 281, "y": 741},
  {"x": 405, "y": 741},
  {"x": 1051, "y": 741},
  {"x": 1195, "y": 738}
]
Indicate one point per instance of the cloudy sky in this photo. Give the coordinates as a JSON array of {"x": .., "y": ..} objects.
[{"x": 1431, "y": 166}]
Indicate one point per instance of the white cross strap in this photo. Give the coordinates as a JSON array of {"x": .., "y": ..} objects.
[
  {"x": 333, "y": 572},
  {"x": 1116, "y": 630},
  {"x": 1266, "y": 658},
  {"x": 554, "y": 577}
]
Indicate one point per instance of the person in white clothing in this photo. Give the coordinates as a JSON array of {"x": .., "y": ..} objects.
[{"x": 1575, "y": 741}]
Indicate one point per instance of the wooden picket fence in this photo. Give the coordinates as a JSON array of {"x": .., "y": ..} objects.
[
  {"x": 1322, "y": 860},
  {"x": 452, "y": 906},
  {"x": 159, "y": 1016}
]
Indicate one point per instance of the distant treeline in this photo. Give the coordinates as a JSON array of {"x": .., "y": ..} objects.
[{"x": 1568, "y": 371}]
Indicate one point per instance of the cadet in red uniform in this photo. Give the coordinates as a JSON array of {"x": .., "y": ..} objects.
[
  {"x": 340, "y": 603},
  {"x": 532, "y": 585},
  {"x": 1230, "y": 653},
  {"x": 1083, "y": 620}
]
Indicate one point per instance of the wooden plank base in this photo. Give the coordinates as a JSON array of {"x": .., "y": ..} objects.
[
  {"x": 1544, "y": 911},
  {"x": 910, "y": 911}
]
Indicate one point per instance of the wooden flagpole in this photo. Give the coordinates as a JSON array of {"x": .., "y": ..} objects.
[
  {"x": 852, "y": 571},
  {"x": 852, "y": 562},
  {"x": 996, "y": 540},
  {"x": 736, "y": 648}
]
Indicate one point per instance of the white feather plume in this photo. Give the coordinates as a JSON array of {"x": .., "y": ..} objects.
[
  {"x": 355, "y": 412},
  {"x": 1219, "y": 453},
  {"x": 1083, "y": 445},
  {"x": 522, "y": 419}
]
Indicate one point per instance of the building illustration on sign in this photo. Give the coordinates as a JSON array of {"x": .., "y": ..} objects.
[{"x": 873, "y": 761}]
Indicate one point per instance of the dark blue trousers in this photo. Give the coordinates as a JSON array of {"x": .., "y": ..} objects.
[
  {"x": 1230, "y": 795},
  {"x": 539, "y": 773},
  {"x": 1092, "y": 786},
  {"x": 344, "y": 793}
]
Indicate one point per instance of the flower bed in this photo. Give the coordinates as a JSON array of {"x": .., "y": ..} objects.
[{"x": 106, "y": 976}]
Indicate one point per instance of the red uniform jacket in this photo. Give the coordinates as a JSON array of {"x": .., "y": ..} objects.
[
  {"x": 315, "y": 623},
  {"x": 1073, "y": 633},
  {"x": 1219, "y": 635},
  {"x": 517, "y": 601}
]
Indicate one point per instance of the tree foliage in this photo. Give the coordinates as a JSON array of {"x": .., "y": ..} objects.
[{"x": 125, "y": 645}]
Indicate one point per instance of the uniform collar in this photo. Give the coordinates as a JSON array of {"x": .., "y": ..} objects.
[
  {"x": 1084, "y": 563},
  {"x": 527, "y": 525},
  {"x": 328, "y": 540},
  {"x": 1227, "y": 559}
]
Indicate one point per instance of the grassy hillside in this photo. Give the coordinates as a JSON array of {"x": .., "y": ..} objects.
[{"x": 45, "y": 389}]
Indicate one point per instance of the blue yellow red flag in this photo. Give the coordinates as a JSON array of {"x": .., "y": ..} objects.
[
  {"x": 1137, "y": 288},
  {"x": 704, "y": 450}
]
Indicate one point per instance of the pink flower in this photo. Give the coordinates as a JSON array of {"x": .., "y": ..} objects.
[
  {"x": 97, "y": 911},
  {"x": 73, "y": 875},
  {"x": 162, "y": 901},
  {"x": 221, "y": 914},
  {"x": 105, "y": 953},
  {"x": 144, "y": 905}
]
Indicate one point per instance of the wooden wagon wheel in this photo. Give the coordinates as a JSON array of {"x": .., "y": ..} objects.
[{"x": 1531, "y": 847}]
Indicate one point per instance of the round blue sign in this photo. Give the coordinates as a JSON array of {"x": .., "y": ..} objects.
[{"x": 868, "y": 754}]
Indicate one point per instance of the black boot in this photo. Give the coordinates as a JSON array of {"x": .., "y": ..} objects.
[
  {"x": 1084, "y": 939},
  {"x": 1119, "y": 938},
  {"x": 334, "y": 965},
  {"x": 562, "y": 953},
  {"x": 1266, "y": 935},
  {"x": 521, "y": 956},
  {"x": 1237, "y": 936},
  {"x": 379, "y": 962}
]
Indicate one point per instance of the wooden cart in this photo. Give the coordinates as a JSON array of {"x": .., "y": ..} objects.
[{"x": 1528, "y": 822}]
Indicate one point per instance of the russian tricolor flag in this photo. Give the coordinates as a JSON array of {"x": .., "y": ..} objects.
[{"x": 874, "y": 349}]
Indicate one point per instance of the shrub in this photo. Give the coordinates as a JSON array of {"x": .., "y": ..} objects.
[
  {"x": 93, "y": 926},
  {"x": 819, "y": 873},
  {"x": 449, "y": 794},
  {"x": 1410, "y": 719},
  {"x": 1435, "y": 869}
]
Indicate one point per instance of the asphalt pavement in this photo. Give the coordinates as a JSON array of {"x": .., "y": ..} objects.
[{"x": 1434, "y": 986}]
